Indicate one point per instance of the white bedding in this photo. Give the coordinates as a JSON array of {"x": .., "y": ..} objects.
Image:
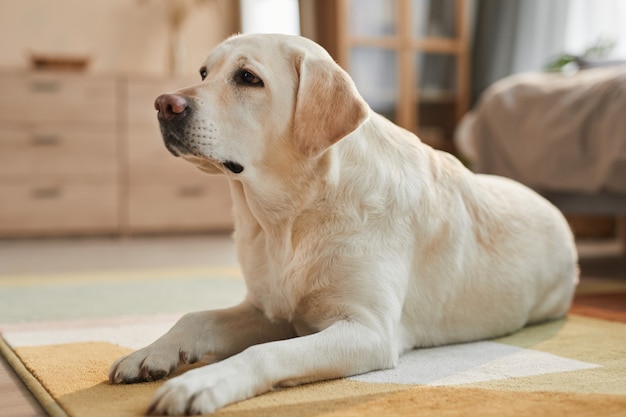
[{"x": 552, "y": 132}]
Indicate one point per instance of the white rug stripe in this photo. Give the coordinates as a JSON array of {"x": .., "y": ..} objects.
[
  {"x": 133, "y": 333},
  {"x": 470, "y": 363}
]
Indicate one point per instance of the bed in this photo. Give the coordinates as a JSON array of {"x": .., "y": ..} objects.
[{"x": 562, "y": 135}]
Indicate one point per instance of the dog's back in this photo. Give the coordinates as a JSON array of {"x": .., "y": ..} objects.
[{"x": 487, "y": 255}]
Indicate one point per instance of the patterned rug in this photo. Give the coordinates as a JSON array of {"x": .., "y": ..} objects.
[{"x": 61, "y": 333}]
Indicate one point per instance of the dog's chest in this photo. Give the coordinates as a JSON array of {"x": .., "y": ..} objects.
[
  {"x": 280, "y": 286},
  {"x": 281, "y": 292}
]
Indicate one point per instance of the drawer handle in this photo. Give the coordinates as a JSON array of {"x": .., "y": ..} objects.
[
  {"x": 190, "y": 192},
  {"x": 46, "y": 86},
  {"x": 47, "y": 193},
  {"x": 46, "y": 140}
]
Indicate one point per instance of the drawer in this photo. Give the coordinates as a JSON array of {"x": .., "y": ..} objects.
[
  {"x": 54, "y": 97},
  {"x": 51, "y": 209},
  {"x": 141, "y": 94},
  {"x": 60, "y": 151},
  {"x": 150, "y": 162},
  {"x": 180, "y": 208}
]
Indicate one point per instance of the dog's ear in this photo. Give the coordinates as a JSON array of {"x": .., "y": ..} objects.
[{"x": 328, "y": 106}]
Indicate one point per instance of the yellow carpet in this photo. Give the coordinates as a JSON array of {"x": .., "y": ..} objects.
[{"x": 70, "y": 380}]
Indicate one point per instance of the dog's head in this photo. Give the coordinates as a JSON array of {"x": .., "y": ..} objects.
[{"x": 263, "y": 98}]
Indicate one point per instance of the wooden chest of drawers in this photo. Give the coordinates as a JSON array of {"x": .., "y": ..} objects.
[
  {"x": 58, "y": 154},
  {"x": 82, "y": 154},
  {"x": 58, "y": 97}
]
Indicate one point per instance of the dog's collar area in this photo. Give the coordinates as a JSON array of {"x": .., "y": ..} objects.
[{"x": 233, "y": 167}]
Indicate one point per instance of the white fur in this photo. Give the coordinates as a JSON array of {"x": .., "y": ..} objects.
[{"x": 354, "y": 249}]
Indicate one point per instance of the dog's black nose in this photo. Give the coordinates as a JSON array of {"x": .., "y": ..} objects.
[{"x": 170, "y": 106}]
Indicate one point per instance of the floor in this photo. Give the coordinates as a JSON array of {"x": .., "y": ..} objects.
[
  {"x": 602, "y": 263},
  {"x": 50, "y": 256}
]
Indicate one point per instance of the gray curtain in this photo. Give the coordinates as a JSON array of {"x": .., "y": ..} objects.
[{"x": 513, "y": 36}]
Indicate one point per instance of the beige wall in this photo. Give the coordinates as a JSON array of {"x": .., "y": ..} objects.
[{"x": 121, "y": 36}]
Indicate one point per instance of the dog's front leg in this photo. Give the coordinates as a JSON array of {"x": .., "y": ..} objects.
[
  {"x": 221, "y": 333},
  {"x": 345, "y": 348}
]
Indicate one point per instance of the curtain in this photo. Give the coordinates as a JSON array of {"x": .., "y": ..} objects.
[{"x": 513, "y": 36}]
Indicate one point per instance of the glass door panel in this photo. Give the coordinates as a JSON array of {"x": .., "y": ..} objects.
[
  {"x": 437, "y": 80},
  {"x": 433, "y": 18},
  {"x": 375, "y": 73},
  {"x": 372, "y": 18}
]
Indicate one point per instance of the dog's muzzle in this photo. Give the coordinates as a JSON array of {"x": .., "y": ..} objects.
[{"x": 173, "y": 112}]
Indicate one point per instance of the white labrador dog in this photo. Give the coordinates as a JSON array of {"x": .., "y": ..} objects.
[{"x": 357, "y": 241}]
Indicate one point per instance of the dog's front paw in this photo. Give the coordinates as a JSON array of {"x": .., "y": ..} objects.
[
  {"x": 204, "y": 390},
  {"x": 143, "y": 365}
]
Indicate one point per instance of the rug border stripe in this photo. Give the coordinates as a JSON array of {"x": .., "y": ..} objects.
[
  {"x": 44, "y": 398},
  {"x": 119, "y": 275}
]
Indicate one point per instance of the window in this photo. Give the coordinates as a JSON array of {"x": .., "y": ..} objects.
[{"x": 270, "y": 16}]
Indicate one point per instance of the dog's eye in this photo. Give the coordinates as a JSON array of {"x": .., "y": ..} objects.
[
  {"x": 249, "y": 78},
  {"x": 203, "y": 73}
]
